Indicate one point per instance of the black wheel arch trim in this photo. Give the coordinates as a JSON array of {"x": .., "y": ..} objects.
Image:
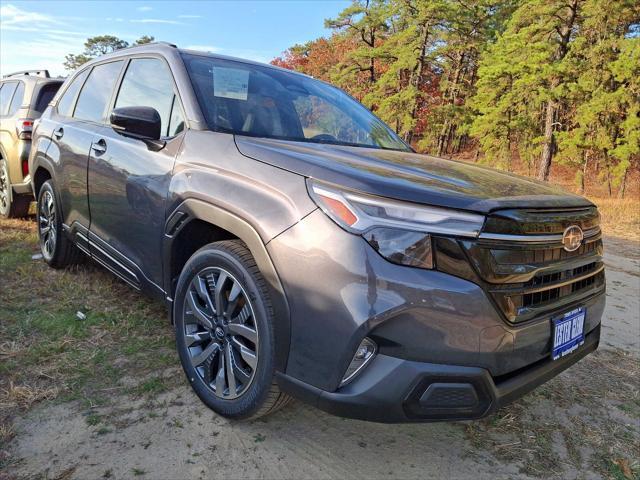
[
  {"x": 193, "y": 209},
  {"x": 40, "y": 162}
]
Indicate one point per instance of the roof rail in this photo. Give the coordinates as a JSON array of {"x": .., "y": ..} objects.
[
  {"x": 167, "y": 44},
  {"x": 36, "y": 73}
]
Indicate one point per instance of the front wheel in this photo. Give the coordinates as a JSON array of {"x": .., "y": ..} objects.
[{"x": 225, "y": 332}]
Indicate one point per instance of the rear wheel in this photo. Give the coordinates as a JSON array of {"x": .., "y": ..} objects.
[
  {"x": 225, "y": 332},
  {"x": 11, "y": 206},
  {"x": 57, "y": 250}
]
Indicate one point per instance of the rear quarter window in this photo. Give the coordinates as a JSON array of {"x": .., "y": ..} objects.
[
  {"x": 16, "y": 101},
  {"x": 65, "y": 104},
  {"x": 46, "y": 94},
  {"x": 6, "y": 94}
]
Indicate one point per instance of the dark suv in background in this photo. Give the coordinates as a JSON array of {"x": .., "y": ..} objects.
[
  {"x": 23, "y": 97},
  {"x": 305, "y": 250}
]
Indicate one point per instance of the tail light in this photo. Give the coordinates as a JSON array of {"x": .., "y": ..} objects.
[
  {"x": 24, "y": 127},
  {"x": 25, "y": 167}
]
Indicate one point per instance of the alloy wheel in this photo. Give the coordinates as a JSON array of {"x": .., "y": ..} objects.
[
  {"x": 220, "y": 332},
  {"x": 47, "y": 224},
  {"x": 4, "y": 187}
]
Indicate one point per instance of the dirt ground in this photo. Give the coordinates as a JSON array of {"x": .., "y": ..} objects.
[{"x": 148, "y": 424}]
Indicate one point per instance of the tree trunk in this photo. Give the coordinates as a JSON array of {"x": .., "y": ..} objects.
[
  {"x": 623, "y": 184},
  {"x": 450, "y": 96},
  {"x": 551, "y": 116},
  {"x": 549, "y": 140},
  {"x": 583, "y": 178},
  {"x": 418, "y": 78}
]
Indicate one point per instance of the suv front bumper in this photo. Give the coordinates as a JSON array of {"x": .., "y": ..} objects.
[
  {"x": 393, "y": 390},
  {"x": 428, "y": 326}
]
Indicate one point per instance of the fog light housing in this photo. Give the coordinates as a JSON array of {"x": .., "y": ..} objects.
[{"x": 364, "y": 353}]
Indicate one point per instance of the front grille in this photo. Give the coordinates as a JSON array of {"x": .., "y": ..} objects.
[
  {"x": 582, "y": 284},
  {"x": 538, "y": 298},
  {"x": 541, "y": 297},
  {"x": 527, "y": 277},
  {"x": 545, "y": 279}
]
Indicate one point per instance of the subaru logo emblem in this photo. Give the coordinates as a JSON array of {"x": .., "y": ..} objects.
[{"x": 572, "y": 238}]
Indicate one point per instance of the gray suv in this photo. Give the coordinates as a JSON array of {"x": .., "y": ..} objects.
[{"x": 304, "y": 250}]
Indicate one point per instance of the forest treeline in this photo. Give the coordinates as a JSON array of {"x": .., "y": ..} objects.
[{"x": 534, "y": 82}]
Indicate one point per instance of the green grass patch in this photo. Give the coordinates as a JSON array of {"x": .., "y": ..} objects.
[
  {"x": 93, "y": 420},
  {"x": 152, "y": 386},
  {"x": 49, "y": 351}
]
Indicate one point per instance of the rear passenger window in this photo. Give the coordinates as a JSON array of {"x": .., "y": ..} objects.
[
  {"x": 96, "y": 92},
  {"x": 6, "y": 94},
  {"x": 18, "y": 96},
  {"x": 65, "y": 104},
  {"x": 46, "y": 94},
  {"x": 148, "y": 83}
]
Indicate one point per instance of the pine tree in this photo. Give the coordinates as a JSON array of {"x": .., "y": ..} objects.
[
  {"x": 366, "y": 21},
  {"x": 406, "y": 53},
  {"x": 532, "y": 80},
  {"x": 605, "y": 92}
]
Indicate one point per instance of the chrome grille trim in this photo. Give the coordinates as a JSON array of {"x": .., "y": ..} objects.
[{"x": 541, "y": 239}]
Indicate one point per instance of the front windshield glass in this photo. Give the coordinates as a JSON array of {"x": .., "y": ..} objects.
[{"x": 260, "y": 101}]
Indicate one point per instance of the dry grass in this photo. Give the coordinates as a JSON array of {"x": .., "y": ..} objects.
[
  {"x": 47, "y": 352},
  {"x": 24, "y": 396},
  {"x": 620, "y": 217}
]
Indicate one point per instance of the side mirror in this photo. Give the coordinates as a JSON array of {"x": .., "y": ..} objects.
[{"x": 143, "y": 123}]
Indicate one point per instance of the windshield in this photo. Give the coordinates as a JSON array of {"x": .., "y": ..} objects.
[{"x": 260, "y": 101}]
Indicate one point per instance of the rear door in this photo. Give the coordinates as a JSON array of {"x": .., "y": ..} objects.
[
  {"x": 129, "y": 182},
  {"x": 78, "y": 115}
]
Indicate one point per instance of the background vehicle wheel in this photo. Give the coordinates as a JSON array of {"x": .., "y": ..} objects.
[
  {"x": 11, "y": 206},
  {"x": 225, "y": 332},
  {"x": 56, "y": 248}
]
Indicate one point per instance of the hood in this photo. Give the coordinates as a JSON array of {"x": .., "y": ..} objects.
[{"x": 409, "y": 176}]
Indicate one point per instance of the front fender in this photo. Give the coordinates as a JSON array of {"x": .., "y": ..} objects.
[{"x": 193, "y": 209}]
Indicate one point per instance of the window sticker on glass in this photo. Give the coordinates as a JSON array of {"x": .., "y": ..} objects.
[{"x": 230, "y": 83}]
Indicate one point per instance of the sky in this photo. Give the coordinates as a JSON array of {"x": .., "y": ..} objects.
[{"x": 38, "y": 34}]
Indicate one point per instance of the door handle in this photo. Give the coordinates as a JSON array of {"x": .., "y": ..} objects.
[
  {"x": 100, "y": 146},
  {"x": 58, "y": 133}
]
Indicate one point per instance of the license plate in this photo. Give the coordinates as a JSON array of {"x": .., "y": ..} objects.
[{"x": 568, "y": 332}]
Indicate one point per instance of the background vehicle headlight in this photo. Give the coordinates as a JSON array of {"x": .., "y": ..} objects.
[{"x": 399, "y": 231}]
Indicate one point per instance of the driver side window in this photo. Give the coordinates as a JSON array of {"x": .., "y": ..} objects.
[{"x": 147, "y": 83}]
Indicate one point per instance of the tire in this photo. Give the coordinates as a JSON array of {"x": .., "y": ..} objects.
[
  {"x": 224, "y": 273},
  {"x": 57, "y": 250},
  {"x": 11, "y": 206}
]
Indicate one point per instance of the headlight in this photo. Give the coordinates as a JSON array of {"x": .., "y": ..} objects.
[{"x": 399, "y": 231}]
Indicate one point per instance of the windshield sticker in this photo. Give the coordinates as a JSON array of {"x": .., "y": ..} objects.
[{"x": 230, "y": 83}]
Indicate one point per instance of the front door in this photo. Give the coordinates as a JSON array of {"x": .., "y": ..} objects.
[{"x": 129, "y": 182}]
